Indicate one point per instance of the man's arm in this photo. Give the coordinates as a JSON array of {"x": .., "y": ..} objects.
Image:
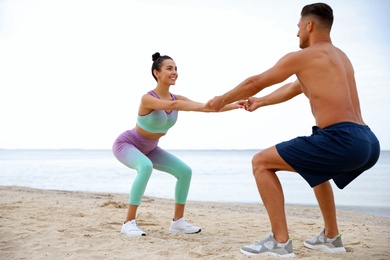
[
  {"x": 287, "y": 66},
  {"x": 280, "y": 95}
]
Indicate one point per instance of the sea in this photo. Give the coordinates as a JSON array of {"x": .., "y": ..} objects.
[{"x": 218, "y": 176}]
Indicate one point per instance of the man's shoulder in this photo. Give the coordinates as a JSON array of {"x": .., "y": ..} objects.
[{"x": 300, "y": 55}]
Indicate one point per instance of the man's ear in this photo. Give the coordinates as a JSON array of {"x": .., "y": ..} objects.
[{"x": 310, "y": 25}]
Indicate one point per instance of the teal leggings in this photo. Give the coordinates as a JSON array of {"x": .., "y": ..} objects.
[{"x": 159, "y": 159}]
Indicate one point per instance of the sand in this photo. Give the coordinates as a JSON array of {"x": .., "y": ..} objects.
[{"x": 52, "y": 224}]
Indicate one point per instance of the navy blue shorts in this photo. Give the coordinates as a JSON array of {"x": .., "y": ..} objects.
[{"x": 340, "y": 152}]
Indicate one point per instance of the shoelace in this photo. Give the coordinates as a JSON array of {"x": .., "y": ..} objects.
[
  {"x": 269, "y": 237},
  {"x": 135, "y": 224},
  {"x": 263, "y": 240},
  {"x": 187, "y": 224}
]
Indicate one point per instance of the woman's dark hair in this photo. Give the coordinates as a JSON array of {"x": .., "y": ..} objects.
[
  {"x": 157, "y": 62},
  {"x": 321, "y": 11}
]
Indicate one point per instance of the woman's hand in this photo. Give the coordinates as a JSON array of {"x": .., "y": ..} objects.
[{"x": 234, "y": 105}]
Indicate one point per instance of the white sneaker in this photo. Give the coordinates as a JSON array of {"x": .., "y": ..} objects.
[
  {"x": 181, "y": 225},
  {"x": 132, "y": 229}
]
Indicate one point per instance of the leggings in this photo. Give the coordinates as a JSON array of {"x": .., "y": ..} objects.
[{"x": 142, "y": 154}]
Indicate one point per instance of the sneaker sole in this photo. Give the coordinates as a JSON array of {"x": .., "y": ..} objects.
[
  {"x": 324, "y": 248},
  {"x": 134, "y": 234},
  {"x": 268, "y": 254},
  {"x": 181, "y": 231}
]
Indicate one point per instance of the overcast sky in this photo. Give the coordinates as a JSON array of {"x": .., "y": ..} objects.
[{"x": 72, "y": 71}]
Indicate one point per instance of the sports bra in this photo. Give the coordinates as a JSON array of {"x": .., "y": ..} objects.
[{"x": 157, "y": 121}]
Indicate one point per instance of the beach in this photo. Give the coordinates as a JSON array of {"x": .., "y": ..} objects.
[{"x": 54, "y": 224}]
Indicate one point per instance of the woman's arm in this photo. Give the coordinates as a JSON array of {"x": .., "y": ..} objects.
[{"x": 182, "y": 104}]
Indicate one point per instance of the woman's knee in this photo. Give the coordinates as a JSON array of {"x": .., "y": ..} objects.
[
  {"x": 182, "y": 173},
  {"x": 186, "y": 173},
  {"x": 145, "y": 168}
]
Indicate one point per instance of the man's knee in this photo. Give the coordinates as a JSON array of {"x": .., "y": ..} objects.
[
  {"x": 258, "y": 163},
  {"x": 269, "y": 160}
]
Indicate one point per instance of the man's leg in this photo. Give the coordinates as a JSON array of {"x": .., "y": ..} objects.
[
  {"x": 325, "y": 198},
  {"x": 264, "y": 165},
  {"x": 329, "y": 240}
]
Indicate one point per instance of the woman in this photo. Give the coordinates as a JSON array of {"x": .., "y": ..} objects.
[{"x": 137, "y": 148}]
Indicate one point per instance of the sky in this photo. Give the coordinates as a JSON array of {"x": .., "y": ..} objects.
[{"x": 72, "y": 72}]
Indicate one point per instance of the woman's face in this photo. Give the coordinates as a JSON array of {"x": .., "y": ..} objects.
[{"x": 168, "y": 73}]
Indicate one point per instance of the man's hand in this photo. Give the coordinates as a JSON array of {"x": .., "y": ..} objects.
[{"x": 252, "y": 104}]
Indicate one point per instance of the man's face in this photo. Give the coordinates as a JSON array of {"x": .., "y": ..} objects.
[{"x": 303, "y": 34}]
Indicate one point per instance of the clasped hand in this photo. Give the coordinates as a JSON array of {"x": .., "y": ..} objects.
[{"x": 217, "y": 104}]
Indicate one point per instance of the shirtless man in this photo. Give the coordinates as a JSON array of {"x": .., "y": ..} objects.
[{"x": 341, "y": 146}]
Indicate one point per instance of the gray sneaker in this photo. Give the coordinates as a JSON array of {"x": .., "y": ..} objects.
[
  {"x": 325, "y": 244},
  {"x": 269, "y": 246}
]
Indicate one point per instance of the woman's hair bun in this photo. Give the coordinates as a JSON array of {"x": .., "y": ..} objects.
[{"x": 156, "y": 56}]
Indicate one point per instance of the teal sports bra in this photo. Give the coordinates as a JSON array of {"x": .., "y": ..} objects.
[{"x": 157, "y": 121}]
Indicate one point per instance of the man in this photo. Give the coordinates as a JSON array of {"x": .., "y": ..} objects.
[{"x": 341, "y": 146}]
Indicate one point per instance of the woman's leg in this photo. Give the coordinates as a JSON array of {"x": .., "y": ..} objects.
[
  {"x": 130, "y": 156},
  {"x": 165, "y": 161}
]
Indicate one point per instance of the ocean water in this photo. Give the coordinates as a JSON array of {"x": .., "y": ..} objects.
[{"x": 218, "y": 175}]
